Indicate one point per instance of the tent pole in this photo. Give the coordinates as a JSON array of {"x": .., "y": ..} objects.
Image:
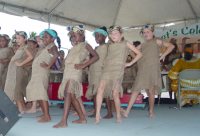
[
  {"x": 192, "y": 9},
  {"x": 54, "y": 8},
  {"x": 49, "y": 21},
  {"x": 117, "y": 13}
]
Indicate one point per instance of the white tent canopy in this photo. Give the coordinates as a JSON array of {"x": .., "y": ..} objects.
[{"x": 129, "y": 14}]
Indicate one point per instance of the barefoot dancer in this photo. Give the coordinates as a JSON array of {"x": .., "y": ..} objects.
[
  {"x": 6, "y": 54},
  {"x": 96, "y": 69},
  {"x": 17, "y": 76},
  {"x": 71, "y": 86},
  {"x": 113, "y": 71},
  {"x": 38, "y": 85},
  {"x": 149, "y": 76}
]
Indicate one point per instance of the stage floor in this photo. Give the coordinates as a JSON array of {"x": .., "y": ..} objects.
[{"x": 168, "y": 122}]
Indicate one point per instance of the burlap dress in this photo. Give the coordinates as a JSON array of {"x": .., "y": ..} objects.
[
  {"x": 11, "y": 78},
  {"x": 5, "y": 53},
  {"x": 95, "y": 71},
  {"x": 71, "y": 75},
  {"x": 114, "y": 65},
  {"x": 23, "y": 76},
  {"x": 38, "y": 85},
  {"x": 149, "y": 73}
]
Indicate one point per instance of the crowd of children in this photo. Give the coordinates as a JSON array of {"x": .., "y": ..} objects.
[{"x": 25, "y": 70}]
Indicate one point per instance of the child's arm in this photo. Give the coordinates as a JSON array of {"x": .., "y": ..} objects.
[
  {"x": 7, "y": 60},
  {"x": 169, "y": 46},
  {"x": 94, "y": 57},
  {"x": 54, "y": 52},
  {"x": 26, "y": 60},
  {"x": 136, "y": 51}
]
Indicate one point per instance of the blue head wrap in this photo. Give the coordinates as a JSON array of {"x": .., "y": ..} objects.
[
  {"x": 51, "y": 32},
  {"x": 100, "y": 31}
]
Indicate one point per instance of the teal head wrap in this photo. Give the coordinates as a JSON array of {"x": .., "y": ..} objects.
[
  {"x": 51, "y": 32},
  {"x": 100, "y": 31}
]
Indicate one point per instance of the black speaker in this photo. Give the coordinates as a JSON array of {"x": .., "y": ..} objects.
[{"x": 9, "y": 114}]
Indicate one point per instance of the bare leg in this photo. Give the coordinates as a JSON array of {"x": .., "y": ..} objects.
[
  {"x": 117, "y": 105},
  {"x": 77, "y": 106},
  {"x": 33, "y": 107},
  {"x": 82, "y": 106},
  {"x": 67, "y": 105},
  {"x": 109, "y": 109},
  {"x": 42, "y": 108},
  {"x": 130, "y": 103},
  {"x": 21, "y": 106},
  {"x": 45, "y": 108},
  {"x": 99, "y": 100},
  {"x": 151, "y": 95},
  {"x": 94, "y": 110}
]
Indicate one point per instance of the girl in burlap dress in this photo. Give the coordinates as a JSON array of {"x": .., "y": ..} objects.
[
  {"x": 17, "y": 77},
  {"x": 38, "y": 85},
  {"x": 95, "y": 70},
  {"x": 33, "y": 48},
  {"x": 149, "y": 74},
  {"x": 6, "y": 54},
  {"x": 71, "y": 86},
  {"x": 111, "y": 81}
]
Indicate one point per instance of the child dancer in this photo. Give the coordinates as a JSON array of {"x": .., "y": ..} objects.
[
  {"x": 149, "y": 76},
  {"x": 38, "y": 85},
  {"x": 17, "y": 77},
  {"x": 113, "y": 71},
  {"x": 6, "y": 54},
  {"x": 71, "y": 86},
  {"x": 33, "y": 46},
  {"x": 96, "y": 69}
]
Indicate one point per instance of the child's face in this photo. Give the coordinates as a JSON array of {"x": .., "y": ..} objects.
[
  {"x": 148, "y": 34},
  {"x": 79, "y": 37},
  {"x": 32, "y": 44},
  {"x": 99, "y": 38},
  {"x": 116, "y": 36},
  {"x": 73, "y": 39},
  {"x": 3, "y": 42},
  {"x": 39, "y": 41},
  {"x": 47, "y": 39},
  {"x": 20, "y": 40}
]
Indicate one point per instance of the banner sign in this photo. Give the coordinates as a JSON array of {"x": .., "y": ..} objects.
[{"x": 179, "y": 31}]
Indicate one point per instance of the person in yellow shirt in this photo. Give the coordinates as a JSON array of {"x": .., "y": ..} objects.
[{"x": 187, "y": 62}]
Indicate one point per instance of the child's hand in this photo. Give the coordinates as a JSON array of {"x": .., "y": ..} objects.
[
  {"x": 128, "y": 65},
  {"x": 44, "y": 65},
  {"x": 162, "y": 58},
  {"x": 79, "y": 66},
  {"x": 18, "y": 64}
]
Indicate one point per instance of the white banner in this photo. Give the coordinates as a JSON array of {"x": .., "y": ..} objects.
[{"x": 179, "y": 31}]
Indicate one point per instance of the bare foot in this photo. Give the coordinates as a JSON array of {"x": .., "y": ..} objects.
[
  {"x": 21, "y": 112},
  {"x": 44, "y": 119},
  {"x": 124, "y": 113},
  {"x": 80, "y": 121},
  {"x": 119, "y": 120},
  {"x": 108, "y": 116},
  {"x": 97, "y": 119},
  {"x": 151, "y": 115},
  {"x": 61, "y": 124}
]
